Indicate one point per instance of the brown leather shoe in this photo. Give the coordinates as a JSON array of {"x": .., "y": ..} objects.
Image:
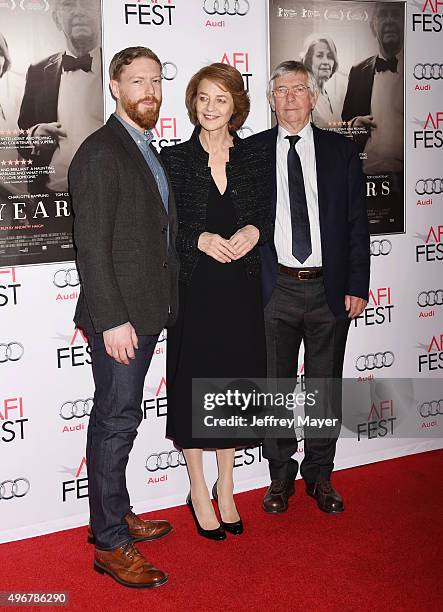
[
  {"x": 277, "y": 495},
  {"x": 328, "y": 499},
  {"x": 140, "y": 530},
  {"x": 128, "y": 567}
]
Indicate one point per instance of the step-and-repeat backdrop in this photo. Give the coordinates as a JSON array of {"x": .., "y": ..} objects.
[{"x": 45, "y": 375}]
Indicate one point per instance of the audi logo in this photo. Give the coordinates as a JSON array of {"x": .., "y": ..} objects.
[
  {"x": 226, "y": 7},
  {"x": 13, "y": 351},
  {"x": 431, "y": 409},
  {"x": 77, "y": 409},
  {"x": 428, "y": 72},
  {"x": 429, "y": 186},
  {"x": 375, "y": 361},
  {"x": 66, "y": 278},
  {"x": 165, "y": 460},
  {"x": 169, "y": 71},
  {"x": 381, "y": 247},
  {"x": 430, "y": 298},
  {"x": 14, "y": 488}
]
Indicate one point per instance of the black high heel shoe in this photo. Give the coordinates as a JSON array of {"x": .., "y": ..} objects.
[
  {"x": 234, "y": 528},
  {"x": 211, "y": 534}
]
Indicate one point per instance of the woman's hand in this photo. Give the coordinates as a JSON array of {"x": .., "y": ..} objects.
[
  {"x": 244, "y": 240},
  {"x": 217, "y": 247}
]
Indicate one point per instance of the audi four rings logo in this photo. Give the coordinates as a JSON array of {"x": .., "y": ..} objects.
[
  {"x": 226, "y": 7},
  {"x": 77, "y": 409},
  {"x": 430, "y": 298},
  {"x": 165, "y": 460},
  {"x": 13, "y": 351},
  {"x": 431, "y": 409},
  {"x": 428, "y": 72},
  {"x": 381, "y": 247},
  {"x": 14, "y": 488},
  {"x": 375, "y": 361},
  {"x": 66, "y": 278},
  {"x": 169, "y": 71},
  {"x": 429, "y": 186}
]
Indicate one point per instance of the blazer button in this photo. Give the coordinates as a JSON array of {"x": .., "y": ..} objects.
[
  {"x": 234, "y": 192},
  {"x": 165, "y": 264}
]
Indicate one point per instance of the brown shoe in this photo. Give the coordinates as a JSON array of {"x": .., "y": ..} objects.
[
  {"x": 140, "y": 530},
  {"x": 128, "y": 567},
  {"x": 277, "y": 495},
  {"x": 328, "y": 499}
]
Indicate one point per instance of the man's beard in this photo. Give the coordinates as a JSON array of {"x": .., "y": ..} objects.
[{"x": 146, "y": 118}]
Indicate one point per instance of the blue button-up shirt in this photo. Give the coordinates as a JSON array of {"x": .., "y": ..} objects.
[{"x": 143, "y": 141}]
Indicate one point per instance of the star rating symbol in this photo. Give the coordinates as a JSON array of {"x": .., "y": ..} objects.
[
  {"x": 23, "y": 162},
  {"x": 29, "y": 161},
  {"x": 10, "y": 162},
  {"x": 3, "y": 163}
]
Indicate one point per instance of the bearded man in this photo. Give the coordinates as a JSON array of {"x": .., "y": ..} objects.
[{"x": 124, "y": 230}]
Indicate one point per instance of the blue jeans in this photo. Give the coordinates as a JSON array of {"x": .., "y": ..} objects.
[{"x": 115, "y": 417}]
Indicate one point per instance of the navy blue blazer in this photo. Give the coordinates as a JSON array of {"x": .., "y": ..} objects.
[{"x": 344, "y": 228}]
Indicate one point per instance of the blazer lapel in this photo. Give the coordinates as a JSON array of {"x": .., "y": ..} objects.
[
  {"x": 134, "y": 152},
  {"x": 51, "y": 87},
  {"x": 273, "y": 151},
  {"x": 322, "y": 163}
]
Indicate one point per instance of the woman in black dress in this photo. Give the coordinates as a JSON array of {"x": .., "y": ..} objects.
[{"x": 221, "y": 186}]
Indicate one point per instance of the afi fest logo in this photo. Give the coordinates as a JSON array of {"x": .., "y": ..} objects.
[
  {"x": 432, "y": 249},
  {"x": 379, "y": 422},
  {"x": 379, "y": 308},
  {"x": 150, "y": 12},
  {"x": 8, "y": 287},
  {"x": 76, "y": 487},
  {"x": 159, "y": 401},
  {"x": 431, "y": 357},
  {"x": 239, "y": 60},
  {"x": 431, "y": 136},
  {"x": 428, "y": 16},
  {"x": 166, "y": 132},
  {"x": 77, "y": 353},
  {"x": 12, "y": 419}
]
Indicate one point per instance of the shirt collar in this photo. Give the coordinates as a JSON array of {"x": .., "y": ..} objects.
[
  {"x": 305, "y": 133},
  {"x": 140, "y": 138}
]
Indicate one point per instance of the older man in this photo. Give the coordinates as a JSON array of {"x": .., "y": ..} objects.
[
  {"x": 63, "y": 99},
  {"x": 315, "y": 272}
]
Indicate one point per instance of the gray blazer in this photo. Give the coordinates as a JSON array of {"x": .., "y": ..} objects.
[{"x": 121, "y": 237}]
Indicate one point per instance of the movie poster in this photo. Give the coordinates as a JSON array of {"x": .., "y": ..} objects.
[
  {"x": 51, "y": 99},
  {"x": 356, "y": 52}
]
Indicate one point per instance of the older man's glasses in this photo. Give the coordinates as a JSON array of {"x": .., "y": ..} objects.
[{"x": 297, "y": 90}]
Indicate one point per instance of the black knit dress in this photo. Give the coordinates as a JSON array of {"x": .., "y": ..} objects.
[{"x": 219, "y": 332}]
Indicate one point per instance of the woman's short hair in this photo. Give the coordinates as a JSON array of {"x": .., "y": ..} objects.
[
  {"x": 4, "y": 52},
  {"x": 227, "y": 78},
  {"x": 310, "y": 43}
]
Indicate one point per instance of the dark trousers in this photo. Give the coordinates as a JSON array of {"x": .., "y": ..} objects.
[
  {"x": 115, "y": 417},
  {"x": 298, "y": 311}
]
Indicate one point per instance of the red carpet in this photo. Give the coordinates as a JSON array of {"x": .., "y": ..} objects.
[{"x": 384, "y": 553}]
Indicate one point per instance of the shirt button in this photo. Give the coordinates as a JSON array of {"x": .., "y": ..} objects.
[{"x": 164, "y": 230}]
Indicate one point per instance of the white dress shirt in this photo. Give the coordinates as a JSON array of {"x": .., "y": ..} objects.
[
  {"x": 80, "y": 112},
  {"x": 283, "y": 228},
  {"x": 384, "y": 148}
]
